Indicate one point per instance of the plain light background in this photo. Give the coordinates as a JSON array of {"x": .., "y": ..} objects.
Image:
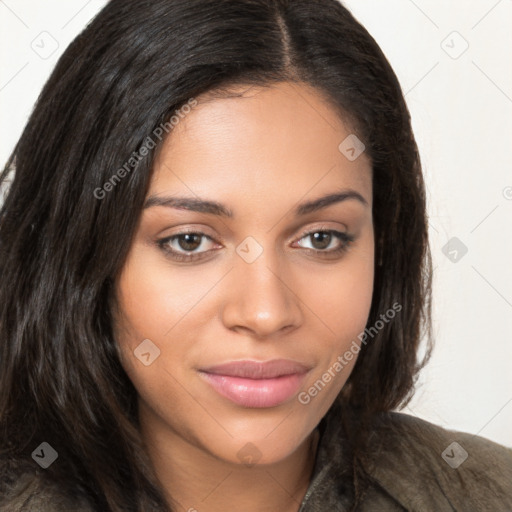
[{"x": 453, "y": 61}]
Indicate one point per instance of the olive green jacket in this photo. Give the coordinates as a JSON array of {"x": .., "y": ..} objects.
[{"x": 416, "y": 466}]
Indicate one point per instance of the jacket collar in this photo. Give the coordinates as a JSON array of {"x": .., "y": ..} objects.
[{"x": 330, "y": 486}]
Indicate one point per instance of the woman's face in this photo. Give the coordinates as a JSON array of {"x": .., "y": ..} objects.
[{"x": 273, "y": 280}]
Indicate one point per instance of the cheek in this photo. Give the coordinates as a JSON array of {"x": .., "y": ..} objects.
[
  {"x": 154, "y": 300},
  {"x": 166, "y": 308},
  {"x": 342, "y": 304},
  {"x": 343, "y": 300},
  {"x": 148, "y": 309},
  {"x": 144, "y": 306}
]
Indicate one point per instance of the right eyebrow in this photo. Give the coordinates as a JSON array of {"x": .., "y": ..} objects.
[{"x": 190, "y": 203}]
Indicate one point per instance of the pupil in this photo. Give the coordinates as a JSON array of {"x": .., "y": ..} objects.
[
  {"x": 324, "y": 238},
  {"x": 189, "y": 243}
]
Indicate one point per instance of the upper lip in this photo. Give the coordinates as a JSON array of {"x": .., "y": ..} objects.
[{"x": 258, "y": 370}]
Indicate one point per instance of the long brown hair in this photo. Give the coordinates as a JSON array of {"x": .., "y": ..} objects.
[{"x": 62, "y": 247}]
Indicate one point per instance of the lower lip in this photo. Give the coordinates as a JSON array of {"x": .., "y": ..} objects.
[{"x": 255, "y": 392}]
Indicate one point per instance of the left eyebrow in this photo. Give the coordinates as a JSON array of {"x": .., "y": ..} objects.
[
  {"x": 325, "y": 201},
  {"x": 214, "y": 208}
]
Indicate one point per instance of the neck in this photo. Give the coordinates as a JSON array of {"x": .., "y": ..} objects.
[{"x": 195, "y": 480}]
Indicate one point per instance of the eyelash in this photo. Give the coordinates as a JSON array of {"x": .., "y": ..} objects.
[{"x": 163, "y": 244}]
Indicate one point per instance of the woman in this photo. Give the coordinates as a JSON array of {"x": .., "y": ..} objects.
[{"x": 215, "y": 275}]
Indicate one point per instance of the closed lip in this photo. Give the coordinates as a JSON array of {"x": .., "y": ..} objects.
[{"x": 258, "y": 369}]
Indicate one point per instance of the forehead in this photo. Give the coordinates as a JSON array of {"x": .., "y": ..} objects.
[{"x": 261, "y": 142}]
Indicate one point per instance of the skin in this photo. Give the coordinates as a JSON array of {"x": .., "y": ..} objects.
[{"x": 260, "y": 155}]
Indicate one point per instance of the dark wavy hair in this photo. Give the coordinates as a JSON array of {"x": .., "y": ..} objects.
[{"x": 61, "y": 248}]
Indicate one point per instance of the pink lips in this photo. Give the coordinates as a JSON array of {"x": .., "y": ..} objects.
[{"x": 255, "y": 384}]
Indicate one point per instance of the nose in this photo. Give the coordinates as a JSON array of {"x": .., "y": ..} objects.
[{"x": 262, "y": 298}]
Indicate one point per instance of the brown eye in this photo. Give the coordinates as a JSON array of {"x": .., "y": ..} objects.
[
  {"x": 189, "y": 241},
  {"x": 326, "y": 242},
  {"x": 184, "y": 246},
  {"x": 321, "y": 239}
]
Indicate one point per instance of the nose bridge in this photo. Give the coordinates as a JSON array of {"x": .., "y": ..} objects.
[{"x": 261, "y": 298}]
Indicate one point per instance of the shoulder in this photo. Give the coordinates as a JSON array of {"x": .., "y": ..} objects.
[
  {"x": 426, "y": 466},
  {"x": 23, "y": 488}
]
